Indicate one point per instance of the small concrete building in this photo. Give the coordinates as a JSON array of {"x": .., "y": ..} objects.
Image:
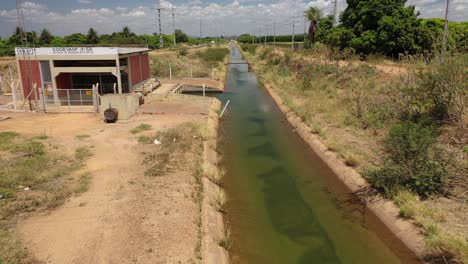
[{"x": 57, "y": 68}]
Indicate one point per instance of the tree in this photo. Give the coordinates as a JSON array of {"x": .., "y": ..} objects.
[
  {"x": 181, "y": 36},
  {"x": 45, "y": 38},
  {"x": 75, "y": 39},
  {"x": 314, "y": 15},
  {"x": 126, "y": 32},
  {"x": 325, "y": 26},
  {"x": 92, "y": 37},
  {"x": 381, "y": 26}
]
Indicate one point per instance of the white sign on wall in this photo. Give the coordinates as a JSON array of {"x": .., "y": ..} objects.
[{"x": 67, "y": 51}]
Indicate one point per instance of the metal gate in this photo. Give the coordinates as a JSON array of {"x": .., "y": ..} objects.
[{"x": 69, "y": 100}]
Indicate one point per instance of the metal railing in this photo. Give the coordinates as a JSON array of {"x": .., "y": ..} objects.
[{"x": 69, "y": 100}]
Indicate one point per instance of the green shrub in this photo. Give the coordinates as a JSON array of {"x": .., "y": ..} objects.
[
  {"x": 441, "y": 90},
  {"x": 413, "y": 162},
  {"x": 265, "y": 53},
  {"x": 213, "y": 55},
  {"x": 182, "y": 52},
  {"x": 249, "y": 48}
]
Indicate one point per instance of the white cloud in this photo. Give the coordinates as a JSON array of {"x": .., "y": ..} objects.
[
  {"x": 236, "y": 17},
  {"x": 85, "y": 1}
]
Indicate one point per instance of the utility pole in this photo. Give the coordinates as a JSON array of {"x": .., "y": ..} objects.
[
  {"x": 305, "y": 26},
  {"x": 274, "y": 32},
  {"x": 266, "y": 32},
  {"x": 335, "y": 9},
  {"x": 201, "y": 35},
  {"x": 292, "y": 36},
  {"x": 444, "y": 44},
  {"x": 173, "y": 23},
  {"x": 161, "y": 44}
]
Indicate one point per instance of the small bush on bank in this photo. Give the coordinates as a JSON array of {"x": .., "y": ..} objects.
[
  {"x": 413, "y": 162},
  {"x": 249, "y": 48},
  {"x": 181, "y": 52},
  {"x": 213, "y": 55},
  {"x": 441, "y": 90}
]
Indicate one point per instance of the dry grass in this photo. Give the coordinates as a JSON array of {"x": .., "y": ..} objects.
[
  {"x": 186, "y": 64},
  {"x": 176, "y": 151},
  {"x": 220, "y": 200},
  {"x": 214, "y": 174},
  {"x": 225, "y": 241},
  {"x": 34, "y": 176},
  {"x": 439, "y": 243}
]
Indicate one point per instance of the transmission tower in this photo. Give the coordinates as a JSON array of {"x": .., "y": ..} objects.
[{"x": 161, "y": 42}]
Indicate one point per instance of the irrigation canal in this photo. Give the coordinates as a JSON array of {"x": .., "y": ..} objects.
[{"x": 285, "y": 205}]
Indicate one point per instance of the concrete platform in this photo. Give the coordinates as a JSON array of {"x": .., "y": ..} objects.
[{"x": 189, "y": 107}]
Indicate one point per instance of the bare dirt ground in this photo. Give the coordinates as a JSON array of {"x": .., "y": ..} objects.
[{"x": 124, "y": 217}]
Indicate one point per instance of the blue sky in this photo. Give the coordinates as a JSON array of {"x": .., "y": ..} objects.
[{"x": 229, "y": 17}]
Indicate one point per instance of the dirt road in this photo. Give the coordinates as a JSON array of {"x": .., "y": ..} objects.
[{"x": 124, "y": 217}]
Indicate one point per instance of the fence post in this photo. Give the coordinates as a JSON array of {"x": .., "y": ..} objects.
[
  {"x": 191, "y": 72},
  {"x": 13, "y": 94},
  {"x": 170, "y": 71},
  {"x": 203, "y": 90},
  {"x": 68, "y": 100},
  {"x": 115, "y": 91},
  {"x": 81, "y": 99},
  {"x": 43, "y": 99},
  {"x": 35, "y": 96}
]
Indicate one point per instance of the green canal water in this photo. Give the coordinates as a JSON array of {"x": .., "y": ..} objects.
[{"x": 285, "y": 205}]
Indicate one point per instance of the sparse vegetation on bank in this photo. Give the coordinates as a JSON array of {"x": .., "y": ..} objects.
[
  {"x": 186, "y": 63},
  {"x": 405, "y": 130},
  {"x": 34, "y": 176},
  {"x": 180, "y": 148}
]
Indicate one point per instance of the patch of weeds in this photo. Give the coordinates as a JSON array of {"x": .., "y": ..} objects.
[
  {"x": 225, "y": 241},
  {"x": 83, "y": 153},
  {"x": 351, "y": 159},
  {"x": 6, "y": 139},
  {"x": 213, "y": 174},
  {"x": 84, "y": 182},
  {"x": 316, "y": 129},
  {"x": 140, "y": 128},
  {"x": 11, "y": 250},
  {"x": 413, "y": 161},
  {"x": 29, "y": 148},
  {"x": 40, "y": 137},
  {"x": 82, "y": 136},
  {"x": 33, "y": 177},
  {"x": 145, "y": 139},
  {"x": 161, "y": 164},
  {"x": 220, "y": 200}
]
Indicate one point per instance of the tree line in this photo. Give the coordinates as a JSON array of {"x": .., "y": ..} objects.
[
  {"x": 385, "y": 27},
  {"x": 92, "y": 38}
]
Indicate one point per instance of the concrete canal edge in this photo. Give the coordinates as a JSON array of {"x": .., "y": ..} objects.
[
  {"x": 213, "y": 229},
  {"x": 386, "y": 210}
]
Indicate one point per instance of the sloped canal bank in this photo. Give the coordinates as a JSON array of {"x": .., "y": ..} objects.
[{"x": 285, "y": 205}]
